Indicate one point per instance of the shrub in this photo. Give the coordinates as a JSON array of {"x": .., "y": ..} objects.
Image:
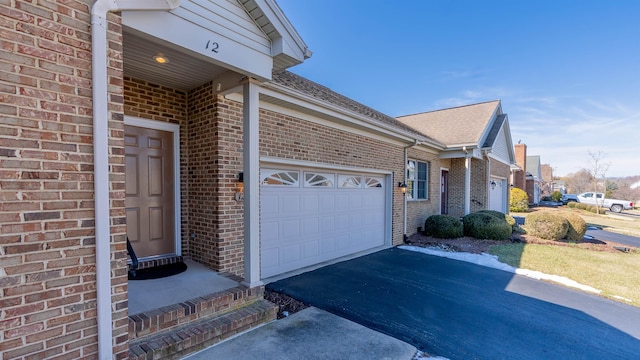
[
  {"x": 482, "y": 225},
  {"x": 572, "y": 204},
  {"x": 546, "y": 225},
  {"x": 581, "y": 206},
  {"x": 577, "y": 226},
  {"x": 443, "y": 226},
  {"x": 556, "y": 196},
  {"x": 508, "y": 218},
  {"x": 518, "y": 200}
]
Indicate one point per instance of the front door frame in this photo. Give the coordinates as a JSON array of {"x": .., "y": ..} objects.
[
  {"x": 444, "y": 191},
  {"x": 175, "y": 130}
]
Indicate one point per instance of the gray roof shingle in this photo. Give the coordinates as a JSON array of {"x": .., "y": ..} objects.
[
  {"x": 454, "y": 126},
  {"x": 323, "y": 93}
]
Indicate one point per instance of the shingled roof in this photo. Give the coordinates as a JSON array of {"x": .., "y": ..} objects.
[
  {"x": 461, "y": 125},
  {"x": 323, "y": 93}
]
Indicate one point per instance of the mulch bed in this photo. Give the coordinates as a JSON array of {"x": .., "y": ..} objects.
[
  {"x": 476, "y": 246},
  {"x": 287, "y": 304}
]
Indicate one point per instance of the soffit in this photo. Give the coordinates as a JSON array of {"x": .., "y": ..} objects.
[{"x": 184, "y": 71}]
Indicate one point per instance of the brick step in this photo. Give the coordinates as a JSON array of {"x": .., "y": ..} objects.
[
  {"x": 165, "y": 318},
  {"x": 180, "y": 341}
]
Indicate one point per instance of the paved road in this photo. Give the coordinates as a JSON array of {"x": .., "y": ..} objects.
[
  {"x": 606, "y": 236},
  {"x": 464, "y": 311}
]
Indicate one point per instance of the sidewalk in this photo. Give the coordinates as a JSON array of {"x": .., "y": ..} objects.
[{"x": 310, "y": 334}]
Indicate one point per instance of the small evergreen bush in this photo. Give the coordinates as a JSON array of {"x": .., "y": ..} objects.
[
  {"x": 581, "y": 206},
  {"x": 481, "y": 225},
  {"x": 556, "y": 196},
  {"x": 443, "y": 227},
  {"x": 508, "y": 218},
  {"x": 577, "y": 226},
  {"x": 546, "y": 225},
  {"x": 518, "y": 200}
]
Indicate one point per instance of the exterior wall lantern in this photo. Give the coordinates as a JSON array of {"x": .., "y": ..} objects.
[
  {"x": 239, "y": 196},
  {"x": 403, "y": 187},
  {"x": 493, "y": 184}
]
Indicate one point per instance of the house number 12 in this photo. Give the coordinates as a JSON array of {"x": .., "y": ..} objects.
[{"x": 213, "y": 46}]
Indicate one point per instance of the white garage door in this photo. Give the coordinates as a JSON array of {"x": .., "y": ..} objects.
[
  {"x": 308, "y": 217},
  {"x": 497, "y": 195}
]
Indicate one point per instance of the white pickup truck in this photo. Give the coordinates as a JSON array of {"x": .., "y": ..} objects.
[{"x": 614, "y": 205}]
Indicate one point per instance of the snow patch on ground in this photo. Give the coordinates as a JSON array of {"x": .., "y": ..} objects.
[{"x": 492, "y": 262}]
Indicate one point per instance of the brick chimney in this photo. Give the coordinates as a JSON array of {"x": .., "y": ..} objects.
[{"x": 520, "y": 176}]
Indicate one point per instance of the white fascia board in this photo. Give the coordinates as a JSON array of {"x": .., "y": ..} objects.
[
  {"x": 499, "y": 159},
  {"x": 507, "y": 130},
  {"x": 289, "y": 35},
  {"x": 232, "y": 54}
]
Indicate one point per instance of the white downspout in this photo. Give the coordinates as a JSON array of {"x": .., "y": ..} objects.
[
  {"x": 99, "y": 13},
  {"x": 404, "y": 210},
  {"x": 467, "y": 181}
]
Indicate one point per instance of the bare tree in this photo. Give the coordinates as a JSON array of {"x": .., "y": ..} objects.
[
  {"x": 598, "y": 169},
  {"x": 579, "y": 182}
]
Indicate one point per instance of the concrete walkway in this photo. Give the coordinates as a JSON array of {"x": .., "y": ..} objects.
[{"x": 310, "y": 334}]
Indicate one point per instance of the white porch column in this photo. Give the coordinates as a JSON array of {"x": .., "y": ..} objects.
[
  {"x": 251, "y": 160},
  {"x": 467, "y": 185}
]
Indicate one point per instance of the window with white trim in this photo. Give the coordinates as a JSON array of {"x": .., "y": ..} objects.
[
  {"x": 312, "y": 179},
  {"x": 417, "y": 180},
  {"x": 349, "y": 181},
  {"x": 280, "y": 177}
]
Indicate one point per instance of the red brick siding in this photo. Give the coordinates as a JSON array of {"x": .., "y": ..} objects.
[
  {"x": 419, "y": 210},
  {"x": 47, "y": 243}
]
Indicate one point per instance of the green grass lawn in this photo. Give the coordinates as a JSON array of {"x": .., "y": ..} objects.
[{"x": 615, "y": 274}]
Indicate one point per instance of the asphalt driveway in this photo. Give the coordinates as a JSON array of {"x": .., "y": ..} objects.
[{"x": 465, "y": 311}]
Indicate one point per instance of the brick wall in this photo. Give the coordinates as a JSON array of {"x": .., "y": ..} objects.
[
  {"x": 47, "y": 244},
  {"x": 419, "y": 210},
  {"x": 520, "y": 176}
]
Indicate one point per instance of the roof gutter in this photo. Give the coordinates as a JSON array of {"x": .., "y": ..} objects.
[{"x": 99, "y": 55}]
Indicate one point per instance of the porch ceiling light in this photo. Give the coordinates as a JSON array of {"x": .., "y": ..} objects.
[{"x": 161, "y": 59}]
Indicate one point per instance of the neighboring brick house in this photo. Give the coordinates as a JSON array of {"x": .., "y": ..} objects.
[
  {"x": 480, "y": 154},
  {"x": 174, "y": 124}
]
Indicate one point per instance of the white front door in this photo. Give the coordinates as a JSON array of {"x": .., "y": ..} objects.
[
  {"x": 312, "y": 216},
  {"x": 497, "y": 193}
]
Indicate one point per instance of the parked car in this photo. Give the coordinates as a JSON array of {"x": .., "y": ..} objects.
[
  {"x": 567, "y": 198},
  {"x": 598, "y": 199}
]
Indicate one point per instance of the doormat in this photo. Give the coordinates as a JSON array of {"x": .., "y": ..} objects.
[{"x": 158, "y": 272}]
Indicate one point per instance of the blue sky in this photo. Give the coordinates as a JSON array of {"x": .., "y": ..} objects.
[{"x": 567, "y": 72}]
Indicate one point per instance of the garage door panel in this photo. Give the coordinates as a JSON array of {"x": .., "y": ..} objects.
[
  {"x": 290, "y": 229},
  {"x": 307, "y": 225},
  {"x": 270, "y": 233},
  {"x": 310, "y": 250},
  {"x": 289, "y": 204},
  {"x": 342, "y": 202},
  {"x": 290, "y": 253},
  {"x": 327, "y": 224},
  {"x": 310, "y": 204},
  {"x": 270, "y": 258},
  {"x": 327, "y": 203},
  {"x": 310, "y": 226}
]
